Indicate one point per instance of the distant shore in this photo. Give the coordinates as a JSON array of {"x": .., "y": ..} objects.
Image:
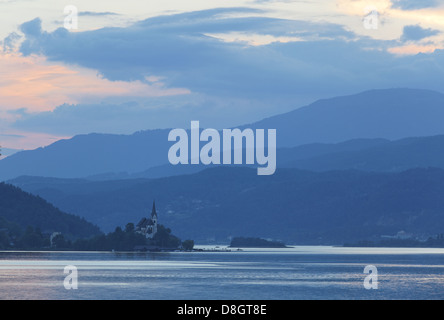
[
  {"x": 437, "y": 242},
  {"x": 255, "y": 243}
]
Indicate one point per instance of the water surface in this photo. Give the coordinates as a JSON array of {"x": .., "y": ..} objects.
[{"x": 268, "y": 274}]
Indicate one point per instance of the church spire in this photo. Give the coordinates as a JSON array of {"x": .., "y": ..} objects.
[{"x": 153, "y": 212}]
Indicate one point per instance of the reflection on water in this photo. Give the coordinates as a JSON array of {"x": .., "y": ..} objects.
[{"x": 295, "y": 273}]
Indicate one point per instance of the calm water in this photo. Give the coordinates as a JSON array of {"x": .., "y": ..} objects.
[{"x": 295, "y": 273}]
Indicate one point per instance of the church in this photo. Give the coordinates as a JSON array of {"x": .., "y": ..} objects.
[{"x": 148, "y": 226}]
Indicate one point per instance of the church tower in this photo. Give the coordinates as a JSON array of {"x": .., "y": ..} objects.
[
  {"x": 154, "y": 218},
  {"x": 148, "y": 226}
]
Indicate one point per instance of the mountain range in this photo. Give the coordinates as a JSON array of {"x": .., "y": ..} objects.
[
  {"x": 6, "y": 152},
  {"x": 372, "y": 117},
  {"x": 391, "y": 114},
  {"x": 348, "y": 168},
  {"x": 292, "y": 205}
]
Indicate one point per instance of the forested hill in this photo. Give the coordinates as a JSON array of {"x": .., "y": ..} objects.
[
  {"x": 23, "y": 209},
  {"x": 292, "y": 205}
]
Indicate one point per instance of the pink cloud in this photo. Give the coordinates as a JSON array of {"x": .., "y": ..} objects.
[
  {"x": 37, "y": 85},
  {"x": 16, "y": 139},
  {"x": 413, "y": 49},
  {"x": 34, "y": 84}
]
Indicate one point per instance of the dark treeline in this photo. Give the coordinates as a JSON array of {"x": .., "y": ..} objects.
[
  {"x": 28, "y": 222},
  {"x": 19, "y": 209},
  {"x": 255, "y": 243},
  {"x": 128, "y": 239},
  {"x": 432, "y": 242}
]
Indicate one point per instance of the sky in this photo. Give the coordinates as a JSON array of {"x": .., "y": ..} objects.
[{"x": 136, "y": 65}]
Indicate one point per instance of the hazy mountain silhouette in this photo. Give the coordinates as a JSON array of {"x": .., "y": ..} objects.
[
  {"x": 90, "y": 154},
  {"x": 385, "y": 156},
  {"x": 389, "y": 114},
  {"x": 292, "y": 205},
  {"x": 378, "y": 155},
  {"x": 286, "y": 157}
]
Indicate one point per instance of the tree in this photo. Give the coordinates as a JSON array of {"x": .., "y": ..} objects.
[
  {"x": 59, "y": 242},
  {"x": 129, "y": 227},
  {"x": 188, "y": 245},
  {"x": 32, "y": 239},
  {"x": 165, "y": 239},
  {"x": 4, "y": 240}
]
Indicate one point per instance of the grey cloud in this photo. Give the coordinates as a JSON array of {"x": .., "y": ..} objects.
[
  {"x": 416, "y": 32},
  {"x": 96, "y": 14},
  {"x": 240, "y": 82},
  {"x": 18, "y": 136},
  {"x": 414, "y": 4},
  {"x": 177, "y": 48},
  {"x": 9, "y": 43},
  {"x": 128, "y": 117}
]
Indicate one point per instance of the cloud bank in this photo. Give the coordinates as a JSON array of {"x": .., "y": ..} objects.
[
  {"x": 236, "y": 65},
  {"x": 415, "y": 4}
]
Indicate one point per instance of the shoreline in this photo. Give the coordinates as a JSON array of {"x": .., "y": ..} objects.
[{"x": 291, "y": 249}]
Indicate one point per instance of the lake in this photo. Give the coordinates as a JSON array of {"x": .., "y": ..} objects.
[{"x": 300, "y": 272}]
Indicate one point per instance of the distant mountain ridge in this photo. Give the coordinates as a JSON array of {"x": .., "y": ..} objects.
[
  {"x": 5, "y": 152},
  {"x": 379, "y": 155},
  {"x": 90, "y": 154},
  {"x": 385, "y": 156},
  {"x": 390, "y": 114},
  {"x": 378, "y": 114},
  {"x": 293, "y": 206}
]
